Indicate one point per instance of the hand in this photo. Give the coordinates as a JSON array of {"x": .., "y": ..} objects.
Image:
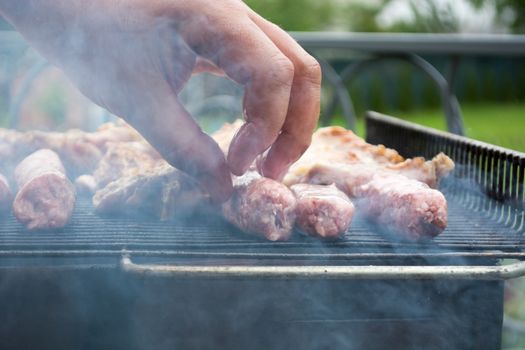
[{"x": 133, "y": 57}]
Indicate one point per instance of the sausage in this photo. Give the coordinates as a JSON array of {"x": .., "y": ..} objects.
[
  {"x": 45, "y": 198},
  {"x": 261, "y": 206},
  {"x": 409, "y": 208},
  {"x": 322, "y": 210}
]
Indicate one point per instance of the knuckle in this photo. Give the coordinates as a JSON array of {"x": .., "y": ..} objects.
[
  {"x": 308, "y": 68},
  {"x": 300, "y": 142},
  {"x": 303, "y": 144},
  {"x": 282, "y": 71}
]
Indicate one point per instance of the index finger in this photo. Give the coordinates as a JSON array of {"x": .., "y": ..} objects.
[
  {"x": 246, "y": 54},
  {"x": 177, "y": 137}
]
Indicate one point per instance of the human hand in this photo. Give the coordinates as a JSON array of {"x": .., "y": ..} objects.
[{"x": 133, "y": 58}]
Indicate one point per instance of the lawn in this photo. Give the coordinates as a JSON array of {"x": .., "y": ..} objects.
[{"x": 500, "y": 124}]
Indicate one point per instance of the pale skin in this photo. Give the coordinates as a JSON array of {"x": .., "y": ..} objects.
[{"x": 133, "y": 57}]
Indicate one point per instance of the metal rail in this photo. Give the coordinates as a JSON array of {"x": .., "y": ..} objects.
[
  {"x": 408, "y": 47},
  {"x": 455, "y": 44},
  {"x": 374, "y": 46},
  {"x": 449, "y": 101},
  {"x": 504, "y": 272}
]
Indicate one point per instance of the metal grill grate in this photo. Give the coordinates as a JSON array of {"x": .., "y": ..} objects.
[
  {"x": 487, "y": 178},
  {"x": 469, "y": 234},
  {"x": 485, "y": 199}
]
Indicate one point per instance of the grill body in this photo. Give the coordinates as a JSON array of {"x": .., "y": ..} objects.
[
  {"x": 103, "y": 308},
  {"x": 68, "y": 289}
]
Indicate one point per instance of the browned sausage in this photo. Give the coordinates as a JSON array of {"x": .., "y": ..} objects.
[
  {"x": 322, "y": 210},
  {"x": 261, "y": 206},
  {"x": 45, "y": 197}
]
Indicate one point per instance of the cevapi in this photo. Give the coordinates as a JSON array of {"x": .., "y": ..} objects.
[{"x": 45, "y": 198}]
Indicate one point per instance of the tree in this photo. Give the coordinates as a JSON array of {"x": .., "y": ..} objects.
[{"x": 510, "y": 13}]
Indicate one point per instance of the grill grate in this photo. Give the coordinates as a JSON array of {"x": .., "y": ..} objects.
[
  {"x": 486, "y": 215},
  {"x": 469, "y": 234}
]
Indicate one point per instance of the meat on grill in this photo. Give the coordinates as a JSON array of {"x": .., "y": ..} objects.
[
  {"x": 6, "y": 196},
  {"x": 258, "y": 205},
  {"x": 261, "y": 206},
  {"x": 335, "y": 149},
  {"x": 86, "y": 184},
  {"x": 45, "y": 197},
  {"x": 80, "y": 151},
  {"x": 123, "y": 159},
  {"x": 162, "y": 191},
  {"x": 405, "y": 206},
  {"x": 322, "y": 211},
  {"x": 337, "y": 156},
  {"x": 370, "y": 173}
]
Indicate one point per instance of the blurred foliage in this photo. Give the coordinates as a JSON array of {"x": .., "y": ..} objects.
[
  {"x": 510, "y": 13},
  {"x": 360, "y": 16},
  {"x": 428, "y": 17},
  {"x": 297, "y": 15}
]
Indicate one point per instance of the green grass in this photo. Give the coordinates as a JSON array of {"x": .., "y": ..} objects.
[{"x": 500, "y": 124}]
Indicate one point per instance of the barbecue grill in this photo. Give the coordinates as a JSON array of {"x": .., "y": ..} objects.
[{"x": 128, "y": 283}]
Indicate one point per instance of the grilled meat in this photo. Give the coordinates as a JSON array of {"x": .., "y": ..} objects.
[
  {"x": 123, "y": 159},
  {"x": 261, "y": 206},
  {"x": 258, "y": 205},
  {"x": 86, "y": 184},
  {"x": 407, "y": 207},
  {"x": 80, "y": 151},
  {"x": 359, "y": 169},
  {"x": 388, "y": 189},
  {"x": 335, "y": 148},
  {"x": 45, "y": 197},
  {"x": 163, "y": 192},
  {"x": 322, "y": 211}
]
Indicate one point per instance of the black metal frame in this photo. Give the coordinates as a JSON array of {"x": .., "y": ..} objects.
[
  {"x": 487, "y": 178},
  {"x": 376, "y": 48},
  {"x": 408, "y": 48},
  {"x": 338, "y": 80}
]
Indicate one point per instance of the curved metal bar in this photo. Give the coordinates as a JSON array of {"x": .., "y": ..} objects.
[
  {"x": 449, "y": 100},
  {"x": 350, "y": 71},
  {"x": 25, "y": 87},
  {"x": 340, "y": 94},
  {"x": 450, "y": 103},
  {"x": 504, "y": 272}
]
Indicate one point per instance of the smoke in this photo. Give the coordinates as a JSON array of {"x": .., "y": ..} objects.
[{"x": 74, "y": 301}]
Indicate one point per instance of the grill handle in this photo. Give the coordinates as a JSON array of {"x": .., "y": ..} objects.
[{"x": 503, "y": 272}]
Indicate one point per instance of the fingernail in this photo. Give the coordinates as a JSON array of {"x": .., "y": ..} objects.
[
  {"x": 218, "y": 185},
  {"x": 243, "y": 149},
  {"x": 274, "y": 171}
]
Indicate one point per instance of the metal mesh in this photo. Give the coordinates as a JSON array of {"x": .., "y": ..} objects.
[
  {"x": 486, "y": 219},
  {"x": 469, "y": 234}
]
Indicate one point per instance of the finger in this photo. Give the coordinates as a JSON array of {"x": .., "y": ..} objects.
[
  {"x": 303, "y": 108},
  {"x": 205, "y": 66},
  {"x": 173, "y": 132},
  {"x": 249, "y": 57}
]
